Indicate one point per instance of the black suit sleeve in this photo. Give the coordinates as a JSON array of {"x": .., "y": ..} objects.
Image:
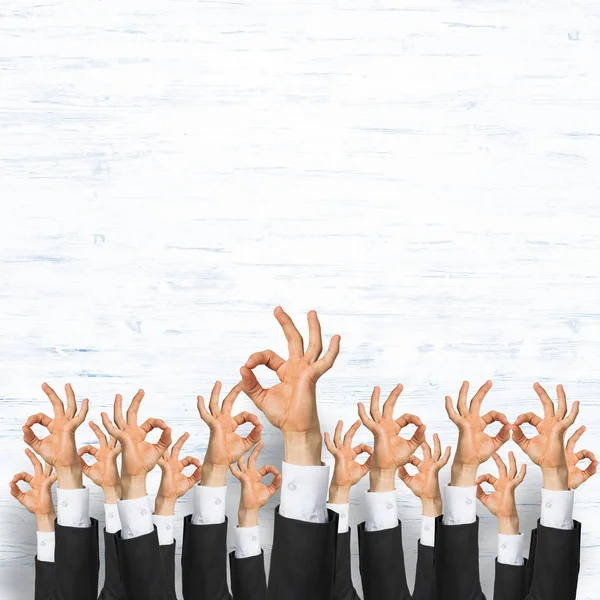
[
  {"x": 382, "y": 569},
  {"x": 303, "y": 559},
  {"x": 141, "y": 568},
  {"x": 343, "y": 589},
  {"x": 457, "y": 561},
  {"x": 113, "y": 588},
  {"x": 510, "y": 582},
  {"x": 555, "y": 568},
  {"x": 44, "y": 579},
  {"x": 204, "y": 561},
  {"x": 425, "y": 577},
  {"x": 167, "y": 553},
  {"x": 248, "y": 579}
]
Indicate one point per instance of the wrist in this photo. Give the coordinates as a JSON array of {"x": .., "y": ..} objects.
[
  {"x": 463, "y": 475},
  {"x": 382, "y": 480},
  {"x": 133, "y": 487},
  {"x": 247, "y": 517},
  {"x": 45, "y": 522},
  {"x": 303, "y": 448},
  {"x": 69, "y": 478},
  {"x": 111, "y": 494},
  {"x": 508, "y": 525},
  {"x": 339, "y": 494},
  {"x": 164, "y": 506},
  {"x": 214, "y": 475},
  {"x": 432, "y": 507},
  {"x": 556, "y": 478}
]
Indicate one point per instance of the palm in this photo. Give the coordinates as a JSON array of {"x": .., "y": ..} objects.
[
  {"x": 391, "y": 451},
  {"x": 424, "y": 484},
  {"x": 547, "y": 448},
  {"x": 104, "y": 471},
  {"x": 38, "y": 500},
  {"x": 225, "y": 446},
  {"x": 474, "y": 445},
  {"x": 254, "y": 493},
  {"x": 138, "y": 455},
  {"x": 173, "y": 482},
  {"x": 501, "y": 501},
  {"x": 347, "y": 471}
]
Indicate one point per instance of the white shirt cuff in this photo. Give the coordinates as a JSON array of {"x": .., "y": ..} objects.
[
  {"x": 382, "y": 511},
  {"x": 164, "y": 527},
  {"x": 73, "y": 507},
  {"x": 209, "y": 505},
  {"x": 510, "y": 549},
  {"x": 136, "y": 517},
  {"x": 45, "y": 546},
  {"x": 111, "y": 518},
  {"x": 247, "y": 541},
  {"x": 557, "y": 509},
  {"x": 342, "y": 510},
  {"x": 304, "y": 492},
  {"x": 459, "y": 505},
  {"x": 427, "y": 531}
]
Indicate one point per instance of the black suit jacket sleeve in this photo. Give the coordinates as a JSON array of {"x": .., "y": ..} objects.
[
  {"x": 555, "y": 563},
  {"x": 457, "y": 561},
  {"x": 425, "y": 577},
  {"x": 167, "y": 553},
  {"x": 510, "y": 582},
  {"x": 204, "y": 561},
  {"x": 141, "y": 568},
  {"x": 248, "y": 579},
  {"x": 382, "y": 569},
  {"x": 113, "y": 588},
  {"x": 343, "y": 589},
  {"x": 44, "y": 579},
  {"x": 303, "y": 559}
]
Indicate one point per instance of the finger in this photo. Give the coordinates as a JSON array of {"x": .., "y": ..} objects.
[
  {"x": 268, "y": 358},
  {"x": 499, "y": 464},
  {"x": 236, "y": 472},
  {"x": 362, "y": 448},
  {"x": 275, "y": 484},
  {"x": 518, "y": 480},
  {"x": 149, "y": 424},
  {"x": 99, "y": 434},
  {"x": 92, "y": 450},
  {"x": 366, "y": 466},
  {"x": 481, "y": 495},
  {"x": 404, "y": 475},
  {"x": 337, "y": 434},
  {"x": 502, "y": 436},
  {"x": 252, "y": 388},
  {"x": 53, "y": 478},
  {"x": 47, "y": 471},
  {"x": 204, "y": 414},
  {"x": 520, "y": 438},
  {"x": 118, "y": 412},
  {"x": 22, "y": 476},
  {"x": 254, "y": 455},
  {"x": 15, "y": 492},
  {"x": 546, "y": 401},
  {"x": 326, "y": 361},
  {"x": 37, "y": 465},
  {"x": 38, "y": 419},
  {"x": 134, "y": 407},
  {"x": 164, "y": 441},
  {"x": 574, "y": 438},
  {"x": 426, "y": 448},
  {"x": 414, "y": 460},
  {"x": 231, "y": 397},
  {"x": 462, "y": 399},
  {"x": 374, "y": 406},
  {"x": 479, "y": 397},
  {"x": 512, "y": 470},
  {"x": 444, "y": 459},
  {"x": 350, "y": 434},
  {"x": 367, "y": 422},
  {"x": 591, "y": 468},
  {"x": 315, "y": 339},
  {"x": 562, "y": 402},
  {"x": 390, "y": 403},
  {"x": 71, "y": 402},
  {"x": 196, "y": 476},
  {"x": 452, "y": 414},
  {"x": 570, "y": 418},
  {"x": 57, "y": 405},
  {"x": 494, "y": 417},
  {"x": 418, "y": 438},
  {"x": 30, "y": 438},
  {"x": 253, "y": 437},
  {"x": 178, "y": 445},
  {"x": 79, "y": 418},
  {"x": 213, "y": 404},
  {"x": 529, "y": 417},
  {"x": 437, "y": 447},
  {"x": 266, "y": 469},
  {"x": 329, "y": 445},
  {"x": 292, "y": 335},
  {"x": 246, "y": 417},
  {"x": 112, "y": 430},
  {"x": 408, "y": 419},
  {"x": 489, "y": 478}
]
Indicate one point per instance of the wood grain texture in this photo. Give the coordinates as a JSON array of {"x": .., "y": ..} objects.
[{"x": 424, "y": 174}]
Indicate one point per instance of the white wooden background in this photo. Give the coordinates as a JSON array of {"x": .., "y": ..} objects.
[{"x": 424, "y": 173}]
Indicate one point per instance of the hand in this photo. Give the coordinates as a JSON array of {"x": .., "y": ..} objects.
[
  {"x": 291, "y": 405},
  {"x": 224, "y": 445},
  {"x": 37, "y": 500},
  {"x": 58, "y": 449},
  {"x": 474, "y": 445},
  {"x": 501, "y": 502},
  {"x": 547, "y": 450},
  {"x": 425, "y": 484},
  {"x": 347, "y": 471},
  {"x": 139, "y": 456},
  {"x": 391, "y": 451},
  {"x": 578, "y": 476},
  {"x": 104, "y": 472},
  {"x": 173, "y": 482},
  {"x": 255, "y": 494}
]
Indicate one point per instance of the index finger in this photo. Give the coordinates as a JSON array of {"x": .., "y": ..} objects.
[
  {"x": 573, "y": 439},
  {"x": 37, "y": 465}
]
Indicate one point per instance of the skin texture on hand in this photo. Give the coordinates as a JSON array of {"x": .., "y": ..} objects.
[
  {"x": 547, "y": 449},
  {"x": 501, "y": 502},
  {"x": 224, "y": 445},
  {"x": 254, "y": 494},
  {"x": 390, "y": 450},
  {"x": 104, "y": 472},
  {"x": 347, "y": 471},
  {"x": 138, "y": 456},
  {"x": 291, "y": 405},
  {"x": 173, "y": 482},
  {"x": 38, "y": 499},
  {"x": 425, "y": 483},
  {"x": 59, "y": 449},
  {"x": 474, "y": 445},
  {"x": 578, "y": 476}
]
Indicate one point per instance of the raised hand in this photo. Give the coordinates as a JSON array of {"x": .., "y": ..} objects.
[
  {"x": 425, "y": 483},
  {"x": 474, "y": 445},
  {"x": 547, "y": 449},
  {"x": 104, "y": 472},
  {"x": 224, "y": 445},
  {"x": 501, "y": 502},
  {"x": 38, "y": 499},
  {"x": 255, "y": 494},
  {"x": 291, "y": 405},
  {"x": 58, "y": 449},
  {"x": 139, "y": 456},
  {"x": 347, "y": 471},
  {"x": 173, "y": 482},
  {"x": 578, "y": 476},
  {"x": 390, "y": 450}
]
